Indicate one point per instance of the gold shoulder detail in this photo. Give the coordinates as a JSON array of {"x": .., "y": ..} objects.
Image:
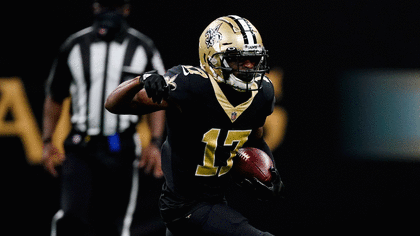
[{"x": 194, "y": 71}]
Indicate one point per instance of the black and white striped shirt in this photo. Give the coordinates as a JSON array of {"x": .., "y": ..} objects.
[{"x": 89, "y": 69}]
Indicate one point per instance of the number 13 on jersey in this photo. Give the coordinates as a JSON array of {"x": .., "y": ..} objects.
[{"x": 210, "y": 138}]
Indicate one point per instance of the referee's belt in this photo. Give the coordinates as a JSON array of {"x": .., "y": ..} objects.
[{"x": 113, "y": 141}]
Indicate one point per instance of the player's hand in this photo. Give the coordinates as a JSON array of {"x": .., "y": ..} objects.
[
  {"x": 150, "y": 161},
  {"x": 51, "y": 157},
  {"x": 274, "y": 188},
  {"x": 264, "y": 191},
  {"x": 155, "y": 86}
]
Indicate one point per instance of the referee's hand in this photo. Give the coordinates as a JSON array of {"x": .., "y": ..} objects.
[
  {"x": 51, "y": 157},
  {"x": 150, "y": 161}
]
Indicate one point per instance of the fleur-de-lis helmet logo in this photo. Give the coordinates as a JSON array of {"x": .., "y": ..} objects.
[{"x": 213, "y": 36}]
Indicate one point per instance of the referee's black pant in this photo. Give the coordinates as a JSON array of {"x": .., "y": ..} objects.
[{"x": 96, "y": 186}]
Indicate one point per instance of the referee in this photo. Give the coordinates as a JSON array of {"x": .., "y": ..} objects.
[{"x": 97, "y": 170}]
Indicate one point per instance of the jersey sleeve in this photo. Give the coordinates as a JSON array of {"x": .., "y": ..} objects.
[
  {"x": 58, "y": 83},
  {"x": 269, "y": 95},
  {"x": 179, "y": 83}
]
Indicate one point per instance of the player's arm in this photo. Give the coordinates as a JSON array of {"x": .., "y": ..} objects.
[
  {"x": 266, "y": 192},
  {"x": 142, "y": 95}
]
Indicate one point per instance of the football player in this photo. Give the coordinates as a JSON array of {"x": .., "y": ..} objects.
[{"x": 212, "y": 111}]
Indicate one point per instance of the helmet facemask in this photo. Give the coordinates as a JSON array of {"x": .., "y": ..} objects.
[{"x": 231, "y": 62}]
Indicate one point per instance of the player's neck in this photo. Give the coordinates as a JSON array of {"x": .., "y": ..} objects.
[{"x": 235, "y": 97}]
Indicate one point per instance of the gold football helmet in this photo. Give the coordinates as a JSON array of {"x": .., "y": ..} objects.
[{"x": 229, "y": 39}]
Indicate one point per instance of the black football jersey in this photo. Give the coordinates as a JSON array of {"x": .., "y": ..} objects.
[{"x": 204, "y": 132}]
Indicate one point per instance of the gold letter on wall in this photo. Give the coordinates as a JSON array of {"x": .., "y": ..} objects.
[{"x": 13, "y": 99}]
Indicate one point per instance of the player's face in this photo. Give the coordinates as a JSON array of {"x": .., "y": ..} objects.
[{"x": 243, "y": 64}]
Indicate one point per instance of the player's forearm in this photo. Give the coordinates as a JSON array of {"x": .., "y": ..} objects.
[
  {"x": 120, "y": 101},
  {"x": 156, "y": 121},
  {"x": 51, "y": 115}
]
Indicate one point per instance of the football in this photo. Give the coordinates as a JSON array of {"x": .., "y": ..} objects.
[{"x": 252, "y": 162}]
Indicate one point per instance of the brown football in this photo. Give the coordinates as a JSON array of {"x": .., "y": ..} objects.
[{"x": 252, "y": 162}]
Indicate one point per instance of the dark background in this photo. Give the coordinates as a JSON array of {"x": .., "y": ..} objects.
[{"x": 313, "y": 41}]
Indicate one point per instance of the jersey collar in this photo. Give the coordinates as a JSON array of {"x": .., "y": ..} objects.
[{"x": 232, "y": 112}]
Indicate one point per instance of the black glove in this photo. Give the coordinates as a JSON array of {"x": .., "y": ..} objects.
[
  {"x": 155, "y": 86},
  {"x": 261, "y": 191}
]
